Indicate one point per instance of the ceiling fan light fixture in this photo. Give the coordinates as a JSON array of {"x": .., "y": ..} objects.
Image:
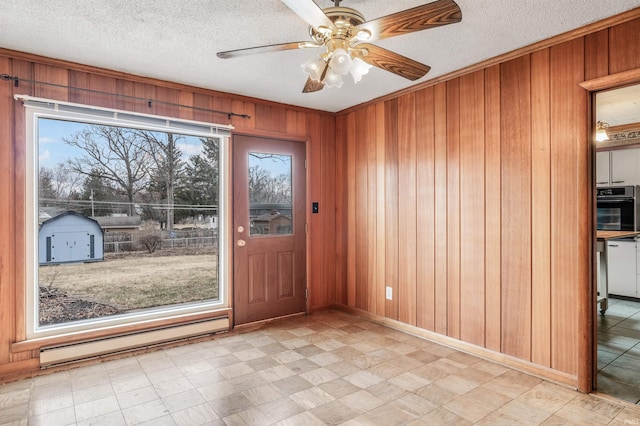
[
  {"x": 314, "y": 67},
  {"x": 333, "y": 79},
  {"x": 363, "y": 35},
  {"x": 340, "y": 61},
  {"x": 358, "y": 69}
]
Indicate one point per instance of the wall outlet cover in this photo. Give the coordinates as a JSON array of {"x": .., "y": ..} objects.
[{"x": 389, "y": 292}]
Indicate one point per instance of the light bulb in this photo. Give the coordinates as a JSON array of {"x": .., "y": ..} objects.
[
  {"x": 358, "y": 69},
  {"x": 314, "y": 67},
  {"x": 340, "y": 61},
  {"x": 333, "y": 79}
]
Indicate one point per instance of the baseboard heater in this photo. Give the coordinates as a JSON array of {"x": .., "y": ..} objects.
[{"x": 64, "y": 354}]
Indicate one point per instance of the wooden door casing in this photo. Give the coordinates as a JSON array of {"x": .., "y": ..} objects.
[{"x": 269, "y": 270}]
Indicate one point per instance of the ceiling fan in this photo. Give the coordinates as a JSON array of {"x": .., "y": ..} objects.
[{"x": 342, "y": 33}]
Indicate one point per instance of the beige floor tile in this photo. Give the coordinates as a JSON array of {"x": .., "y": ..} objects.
[
  {"x": 281, "y": 408},
  {"x": 15, "y": 413},
  {"x": 47, "y": 405},
  {"x": 181, "y": 384},
  {"x": 409, "y": 381},
  {"x": 17, "y": 397},
  {"x": 440, "y": 417},
  {"x": 362, "y": 401},
  {"x": 547, "y": 396},
  {"x": 231, "y": 404},
  {"x": 180, "y": 401},
  {"x": 311, "y": 398},
  {"x": 524, "y": 413},
  {"x": 101, "y": 390},
  {"x": 114, "y": 418},
  {"x": 466, "y": 407},
  {"x": 363, "y": 379},
  {"x": 338, "y": 388},
  {"x": 96, "y": 408},
  {"x": 262, "y": 394},
  {"x": 305, "y": 418},
  {"x": 137, "y": 396},
  {"x": 196, "y": 415},
  {"x": 456, "y": 384},
  {"x": 335, "y": 412},
  {"x": 65, "y": 416},
  {"x": 144, "y": 412}
]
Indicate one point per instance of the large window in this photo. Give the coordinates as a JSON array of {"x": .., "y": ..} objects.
[{"x": 127, "y": 218}]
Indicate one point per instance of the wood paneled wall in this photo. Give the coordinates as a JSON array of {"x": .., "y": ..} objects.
[
  {"x": 268, "y": 119},
  {"x": 471, "y": 199}
]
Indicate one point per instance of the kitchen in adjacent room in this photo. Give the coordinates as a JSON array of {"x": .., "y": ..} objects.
[{"x": 617, "y": 115}]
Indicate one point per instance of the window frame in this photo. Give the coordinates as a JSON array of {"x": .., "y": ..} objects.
[{"x": 36, "y": 108}]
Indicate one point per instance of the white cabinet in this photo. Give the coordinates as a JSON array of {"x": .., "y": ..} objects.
[
  {"x": 621, "y": 267},
  {"x": 618, "y": 167},
  {"x": 602, "y": 168}
]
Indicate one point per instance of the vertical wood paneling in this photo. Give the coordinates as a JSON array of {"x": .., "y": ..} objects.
[
  {"x": 441, "y": 214},
  {"x": 51, "y": 74},
  {"x": 328, "y": 213},
  {"x": 370, "y": 146},
  {"x": 380, "y": 208},
  {"x": 18, "y": 167},
  {"x": 315, "y": 264},
  {"x": 407, "y": 214},
  {"x": 515, "y": 139},
  {"x": 624, "y": 48},
  {"x": 392, "y": 208},
  {"x": 342, "y": 241},
  {"x": 472, "y": 260},
  {"x": 7, "y": 224},
  {"x": 568, "y": 102},
  {"x": 596, "y": 55},
  {"x": 541, "y": 208},
  {"x": 493, "y": 223},
  {"x": 425, "y": 220},
  {"x": 351, "y": 209},
  {"x": 453, "y": 208},
  {"x": 361, "y": 214}
]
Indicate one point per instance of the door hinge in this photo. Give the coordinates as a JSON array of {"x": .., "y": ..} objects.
[
  {"x": 305, "y": 163},
  {"x": 306, "y": 292},
  {"x": 306, "y": 228}
]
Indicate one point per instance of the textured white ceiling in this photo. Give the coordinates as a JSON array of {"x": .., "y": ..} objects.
[
  {"x": 178, "y": 40},
  {"x": 619, "y": 106}
]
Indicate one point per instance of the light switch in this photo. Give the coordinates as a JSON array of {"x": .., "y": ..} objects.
[{"x": 389, "y": 293}]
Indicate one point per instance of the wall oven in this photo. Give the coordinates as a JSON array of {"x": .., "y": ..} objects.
[{"x": 617, "y": 208}]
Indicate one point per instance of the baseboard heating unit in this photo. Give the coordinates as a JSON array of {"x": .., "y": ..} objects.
[{"x": 56, "y": 355}]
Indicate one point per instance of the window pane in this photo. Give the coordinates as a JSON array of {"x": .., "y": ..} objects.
[
  {"x": 270, "y": 194},
  {"x": 128, "y": 220}
]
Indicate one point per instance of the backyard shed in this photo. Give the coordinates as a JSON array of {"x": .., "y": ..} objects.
[{"x": 70, "y": 237}]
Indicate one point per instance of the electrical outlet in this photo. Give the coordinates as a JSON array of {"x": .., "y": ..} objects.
[{"x": 389, "y": 293}]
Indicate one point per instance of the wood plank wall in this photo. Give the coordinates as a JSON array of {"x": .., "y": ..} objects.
[
  {"x": 268, "y": 119},
  {"x": 478, "y": 200}
]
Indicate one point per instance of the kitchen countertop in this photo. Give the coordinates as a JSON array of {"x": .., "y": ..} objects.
[{"x": 607, "y": 235}]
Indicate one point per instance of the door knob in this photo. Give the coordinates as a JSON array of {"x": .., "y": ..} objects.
[{"x": 241, "y": 243}]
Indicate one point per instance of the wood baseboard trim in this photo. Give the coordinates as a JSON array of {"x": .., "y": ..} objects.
[{"x": 523, "y": 366}]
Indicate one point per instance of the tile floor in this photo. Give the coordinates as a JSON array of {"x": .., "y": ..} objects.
[
  {"x": 619, "y": 350},
  {"x": 327, "y": 368}
]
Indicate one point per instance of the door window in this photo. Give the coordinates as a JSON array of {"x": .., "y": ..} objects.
[{"x": 270, "y": 203}]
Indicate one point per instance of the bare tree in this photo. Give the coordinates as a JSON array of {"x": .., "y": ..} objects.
[
  {"x": 58, "y": 182},
  {"x": 116, "y": 154},
  {"x": 163, "y": 151}
]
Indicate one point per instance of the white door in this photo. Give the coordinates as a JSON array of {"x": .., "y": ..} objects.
[{"x": 69, "y": 247}]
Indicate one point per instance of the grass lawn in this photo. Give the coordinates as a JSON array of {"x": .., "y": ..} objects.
[{"x": 131, "y": 283}]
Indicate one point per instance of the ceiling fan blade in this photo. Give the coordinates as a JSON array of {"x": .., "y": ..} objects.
[
  {"x": 393, "y": 62},
  {"x": 441, "y": 12},
  {"x": 312, "y": 86},
  {"x": 263, "y": 49},
  {"x": 309, "y": 12}
]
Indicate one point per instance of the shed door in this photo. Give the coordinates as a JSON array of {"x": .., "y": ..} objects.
[{"x": 70, "y": 247}]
